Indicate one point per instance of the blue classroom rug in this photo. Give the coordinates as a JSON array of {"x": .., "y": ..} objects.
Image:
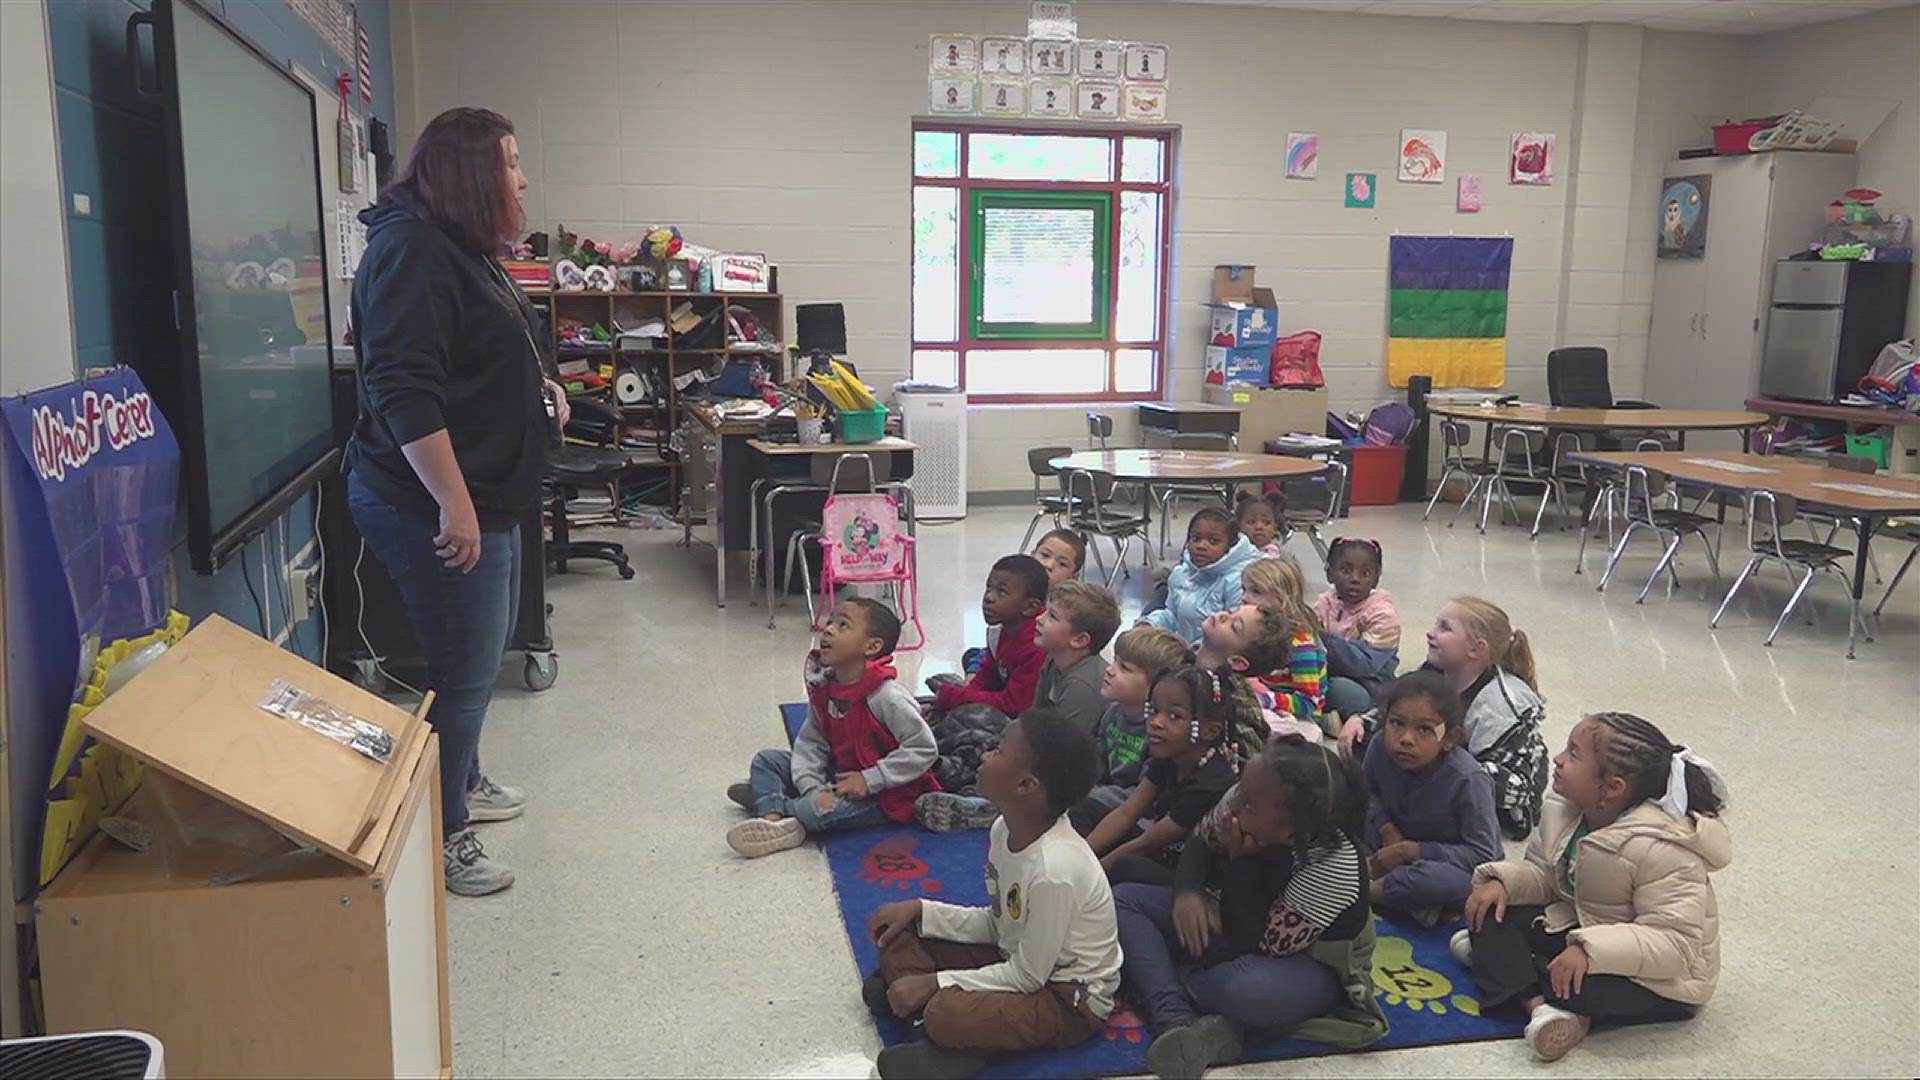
[{"x": 1426, "y": 993}]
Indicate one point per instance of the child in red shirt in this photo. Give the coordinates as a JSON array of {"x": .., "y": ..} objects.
[{"x": 1009, "y": 676}]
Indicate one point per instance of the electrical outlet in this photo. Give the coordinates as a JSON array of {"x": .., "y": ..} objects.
[{"x": 303, "y": 591}]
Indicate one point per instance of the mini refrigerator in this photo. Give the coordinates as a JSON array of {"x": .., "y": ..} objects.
[{"x": 1826, "y": 322}]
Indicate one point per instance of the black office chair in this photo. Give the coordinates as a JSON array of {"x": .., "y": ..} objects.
[
  {"x": 571, "y": 466},
  {"x": 1577, "y": 379}
]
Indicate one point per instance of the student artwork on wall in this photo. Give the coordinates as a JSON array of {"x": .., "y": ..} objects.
[
  {"x": 1423, "y": 155},
  {"x": 1003, "y": 97},
  {"x": 1468, "y": 200},
  {"x": 1683, "y": 217},
  {"x": 1532, "y": 158},
  {"x": 1303, "y": 156},
  {"x": 1447, "y": 309},
  {"x": 950, "y": 95},
  {"x": 1145, "y": 101},
  {"x": 1361, "y": 190},
  {"x": 951, "y": 54},
  {"x": 1049, "y": 57},
  {"x": 1146, "y": 63},
  {"x": 1096, "y": 100},
  {"x": 1050, "y": 98},
  {"x": 1099, "y": 59},
  {"x": 1003, "y": 56}
]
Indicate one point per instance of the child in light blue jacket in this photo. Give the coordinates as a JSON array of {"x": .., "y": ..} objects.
[{"x": 1208, "y": 577}]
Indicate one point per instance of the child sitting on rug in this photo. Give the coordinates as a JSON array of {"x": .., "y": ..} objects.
[
  {"x": 1256, "y": 642},
  {"x": 1610, "y": 918},
  {"x": 1035, "y": 969},
  {"x": 1009, "y": 676},
  {"x": 1362, "y": 626},
  {"x": 1430, "y": 813},
  {"x": 1078, "y": 622},
  {"x": 1139, "y": 657},
  {"x": 1265, "y": 926},
  {"x": 1208, "y": 577},
  {"x": 1298, "y": 687},
  {"x": 1198, "y": 732},
  {"x": 861, "y": 757},
  {"x": 1259, "y": 519},
  {"x": 1488, "y": 661},
  {"x": 1061, "y": 553}
]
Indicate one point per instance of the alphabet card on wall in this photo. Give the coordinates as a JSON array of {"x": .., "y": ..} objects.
[
  {"x": 1096, "y": 100},
  {"x": 952, "y": 54},
  {"x": 1146, "y": 63},
  {"x": 1099, "y": 59},
  {"x": 1303, "y": 156},
  {"x": 1051, "y": 99},
  {"x": 1050, "y": 57},
  {"x": 1146, "y": 101},
  {"x": 1532, "y": 158},
  {"x": 1003, "y": 56},
  {"x": 950, "y": 95},
  {"x": 1423, "y": 155},
  {"x": 1003, "y": 97}
]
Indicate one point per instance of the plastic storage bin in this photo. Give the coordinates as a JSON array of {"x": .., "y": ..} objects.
[
  {"x": 1873, "y": 446},
  {"x": 863, "y": 427},
  {"x": 1376, "y": 475}
]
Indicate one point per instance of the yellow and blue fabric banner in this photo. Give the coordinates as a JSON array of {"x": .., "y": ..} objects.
[{"x": 1447, "y": 309}]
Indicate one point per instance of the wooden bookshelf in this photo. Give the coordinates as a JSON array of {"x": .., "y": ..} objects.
[{"x": 667, "y": 362}]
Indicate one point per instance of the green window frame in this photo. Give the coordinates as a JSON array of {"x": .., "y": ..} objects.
[{"x": 1099, "y": 204}]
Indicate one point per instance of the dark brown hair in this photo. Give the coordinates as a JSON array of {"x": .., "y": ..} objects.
[{"x": 457, "y": 179}]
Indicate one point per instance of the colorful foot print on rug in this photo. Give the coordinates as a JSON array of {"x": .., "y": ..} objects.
[{"x": 1427, "y": 995}]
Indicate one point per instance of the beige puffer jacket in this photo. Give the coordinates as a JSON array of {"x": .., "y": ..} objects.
[{"x": 1644, "y": 907}]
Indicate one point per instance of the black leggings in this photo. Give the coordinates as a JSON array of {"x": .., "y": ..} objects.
[{"x": 1510, "y": 965}]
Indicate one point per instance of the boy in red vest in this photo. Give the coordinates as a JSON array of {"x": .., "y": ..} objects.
[{"x": 863, "y": 754}]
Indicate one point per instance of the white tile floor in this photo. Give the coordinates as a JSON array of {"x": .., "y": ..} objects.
[{"x": 637, "y": 944}]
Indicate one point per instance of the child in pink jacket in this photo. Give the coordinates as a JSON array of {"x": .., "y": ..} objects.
[{"x": 1611, "y": 917}]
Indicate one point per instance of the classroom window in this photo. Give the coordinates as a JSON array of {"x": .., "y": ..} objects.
[{"x": 1040, "y": 262}]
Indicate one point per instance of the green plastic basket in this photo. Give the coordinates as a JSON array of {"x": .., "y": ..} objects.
[
  {"x": 863, "y": 427},
  {"x": 1872, "y": 446}
]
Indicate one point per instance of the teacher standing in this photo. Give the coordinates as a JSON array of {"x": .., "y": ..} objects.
[{"x": 450, "y": 444}]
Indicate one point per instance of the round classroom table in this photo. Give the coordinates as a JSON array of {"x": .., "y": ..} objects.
[
  {"x": 1679, "y": 421},
  {"x": 1188, "y": 466}
]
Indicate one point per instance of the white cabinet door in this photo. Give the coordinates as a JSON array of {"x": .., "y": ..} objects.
[{"x": 1673, "y": 339}]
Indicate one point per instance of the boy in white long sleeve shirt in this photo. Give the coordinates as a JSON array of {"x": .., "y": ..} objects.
[{"x": 1039, "y": 967}]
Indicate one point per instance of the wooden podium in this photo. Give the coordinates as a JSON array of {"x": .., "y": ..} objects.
[{"x": 328, "y": 964}]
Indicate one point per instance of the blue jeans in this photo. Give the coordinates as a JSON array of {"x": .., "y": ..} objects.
[
  {"x": 1262, "y": 993},
  {"x": 771, "y": 777},
  {"x": 462, "y": 621}
]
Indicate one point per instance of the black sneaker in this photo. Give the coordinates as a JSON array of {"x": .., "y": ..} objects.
[
  {"x": 922, "y": 1060},
  {"x": 1187, "y": 1051},
  {"x": 944, "y": 812},
  {"x": 873, "y": 991},
  {"x": 741, "y": 794}
]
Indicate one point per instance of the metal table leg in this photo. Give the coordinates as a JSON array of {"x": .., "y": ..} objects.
[{"x": 1867, "y": 524}]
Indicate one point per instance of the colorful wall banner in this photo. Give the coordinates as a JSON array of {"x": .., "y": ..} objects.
[{"x": 1447, "y": 309}]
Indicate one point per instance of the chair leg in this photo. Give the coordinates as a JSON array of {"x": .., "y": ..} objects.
[
  {"x": 1119, "y": 559},
  {"x": 1586, "y": 530},
  {"x": 1486, "y": 502},
  {"x": 1099, "y": 562},
  {"x": 1467, "y": 501},
  {"x": 1713, "y": 556},
  {"x": 1319, "y": 544},
  {"x": 1445, "y": 475},
  {"x": 1745, "y": 573},
  {"x": 1792, "y": 602},
  {"x": 1026, "y": 541},
  {"x": 1665, "y": 563},
  {"x": 1897, "y": 575},
  {"x": 1614, "y": 559},
  {"x": 1551, "y": 491}
]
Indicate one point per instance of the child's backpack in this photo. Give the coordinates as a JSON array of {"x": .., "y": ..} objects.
[{"x": 1389, "y": 424}]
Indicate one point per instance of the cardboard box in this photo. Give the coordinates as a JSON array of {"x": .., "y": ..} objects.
[
  {"x": 1233, "y": 283},
  {"x": 327, "y": 962},
  {"x": 1267, "y": 413},
  {"x": 1245, "y": 326},
  {"x": 1238, "y": 367}
]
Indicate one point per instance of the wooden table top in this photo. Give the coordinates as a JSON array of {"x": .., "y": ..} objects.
[
  {"x": 1804, "y": 480},
  {"x": 1604, "y": 419},
  {"x": 1852, "y": 414},
  {"x": 1203, "y": 465},
  {"x": 784, "y": 449}
]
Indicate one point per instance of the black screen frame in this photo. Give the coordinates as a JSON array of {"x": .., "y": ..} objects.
[{"x": 211, "y": 544}]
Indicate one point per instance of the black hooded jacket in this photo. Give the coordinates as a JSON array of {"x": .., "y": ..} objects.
[{"x": 444, "y": 339}]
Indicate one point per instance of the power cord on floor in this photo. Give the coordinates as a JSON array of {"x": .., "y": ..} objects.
[
  {"x": 259, "y": 609},
  {"x": 360, "y": 623}
]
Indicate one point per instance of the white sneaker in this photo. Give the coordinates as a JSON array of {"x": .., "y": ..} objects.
[
  {"x": 757, "y": 836},
  {"x": 1461, "y": 946},
  {"x": 1552, "y": 1031},
  {"x": 488, "y": 801},
  {"x": 469, "y": 871}
]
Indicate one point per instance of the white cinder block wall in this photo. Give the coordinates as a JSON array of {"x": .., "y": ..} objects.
[{"x": 784, "y": 127}]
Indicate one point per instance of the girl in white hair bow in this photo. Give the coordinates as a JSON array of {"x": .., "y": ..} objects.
[{"x": 1610, "y": 919}]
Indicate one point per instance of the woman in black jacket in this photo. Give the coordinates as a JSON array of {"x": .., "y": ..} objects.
[{"x": 450, "y": 444}]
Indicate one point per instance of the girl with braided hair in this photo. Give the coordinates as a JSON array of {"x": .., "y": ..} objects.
[
  {"x": 1201, "y": 725},
  {"x": 1611, "y": 917}
]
